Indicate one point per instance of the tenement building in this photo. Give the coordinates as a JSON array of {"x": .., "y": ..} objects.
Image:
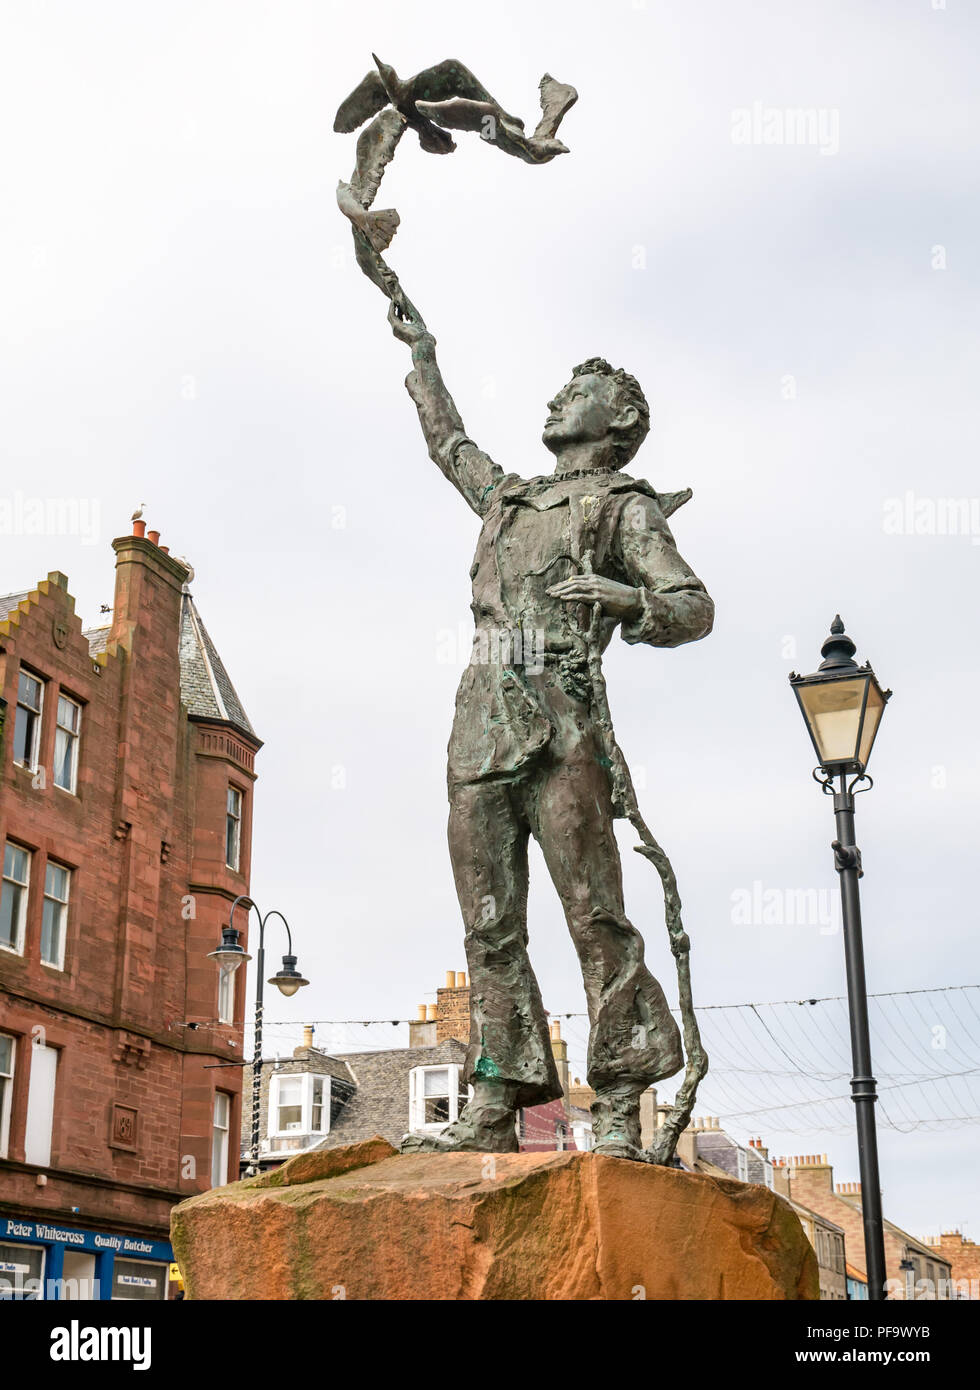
[
  {"x": 913, "y": 1269},
  {"x": 125, "y": 825}
]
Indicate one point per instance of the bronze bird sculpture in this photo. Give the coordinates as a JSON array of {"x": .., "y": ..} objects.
[
  {"x": 439, "y": 83},
  {"x": 445, "y": 95}
]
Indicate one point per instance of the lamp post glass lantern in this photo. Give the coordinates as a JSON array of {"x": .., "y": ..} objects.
[
  {"x": 842, "y": 704},
  {"x": 287, "y": 980}
]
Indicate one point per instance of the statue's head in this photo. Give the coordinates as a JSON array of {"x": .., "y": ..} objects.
[{"x": 600, "y": 404}]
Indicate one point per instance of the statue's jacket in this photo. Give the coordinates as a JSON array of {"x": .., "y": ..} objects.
[
  {"x": 524, "y": 699},
  {"x": 526, "y": 688}
]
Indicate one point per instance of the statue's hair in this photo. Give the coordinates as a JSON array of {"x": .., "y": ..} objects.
[{"x": 630, "y": 394}]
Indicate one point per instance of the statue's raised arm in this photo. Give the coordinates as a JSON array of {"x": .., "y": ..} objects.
[
  {"x": 446, "y": 96},
  {"x": 470, "y": 470}
]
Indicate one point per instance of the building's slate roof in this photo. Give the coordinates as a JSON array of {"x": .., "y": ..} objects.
[
  {"x": 380, "y": 1103},
  {"x": 205, "y": 687},
  {"x": 97, "y": 638},
  {"x": 8, "y": 602}
]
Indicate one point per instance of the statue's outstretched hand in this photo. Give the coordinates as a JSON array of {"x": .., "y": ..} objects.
[{"x": 407, "y": 330}]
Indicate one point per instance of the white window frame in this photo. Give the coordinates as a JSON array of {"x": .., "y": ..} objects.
[
  {"x": 49, "y": 897},
  {"x": 7, "y": 1094},
  {"x": 232, "y": 819},
  {"x": 17, "y": 949},
  {"x": 32, "y": 762},
  {"x": 219, "y": 1138},
  {"x": 306, "y": 1078},
  {"x": 417, "y": 1097},
  {"x": 582, "y": 1135},
  {"x": 74, "y": 737},
  {"x": 742, "y": 1165}
]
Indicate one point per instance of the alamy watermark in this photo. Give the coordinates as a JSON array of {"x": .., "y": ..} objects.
[
  {"x": 758, "y": 124},
  {"x": 492, "y": 646},
  {"x": 910, "y": 515},
  {"x": 760, "y": 906},
  {"x": 21, "y": 515}
]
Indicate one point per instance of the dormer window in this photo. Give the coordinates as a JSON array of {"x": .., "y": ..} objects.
[
  {"x": 436, "y": 1096},
  {"x": 299, "y": 1110}
]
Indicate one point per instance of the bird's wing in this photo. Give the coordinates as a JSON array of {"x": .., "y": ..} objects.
[
  {"x": 367, "y": 98},
  {"x": 461, "y": 113},
  {"x": 379, "y": 227},
  {"x": 375, "y": 150},
  {"x": 493, "y": 125},
  {"x": 556, "y": 99},
  {"x": 451, "y": 78}
]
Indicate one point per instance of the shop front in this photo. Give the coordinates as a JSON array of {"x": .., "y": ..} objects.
[{"x": 46, "y": 1260}]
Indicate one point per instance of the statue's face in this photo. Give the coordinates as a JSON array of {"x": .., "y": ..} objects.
[{"x": 582, "y": 412}]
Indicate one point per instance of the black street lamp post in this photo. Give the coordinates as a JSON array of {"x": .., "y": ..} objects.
[
  {"x": 842, "y": 704},
  {"x": 229, "y": 956}
]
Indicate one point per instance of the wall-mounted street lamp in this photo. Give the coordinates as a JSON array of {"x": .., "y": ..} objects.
[
  {"x": 842, "y": 704},
  {"x": 229, "y": 956}
]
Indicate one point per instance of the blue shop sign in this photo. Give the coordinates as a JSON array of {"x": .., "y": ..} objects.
[{"x": 97, "y": 1242}]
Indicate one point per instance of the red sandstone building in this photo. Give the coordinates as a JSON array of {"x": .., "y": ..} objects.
[{"x": 125, "y": 827}]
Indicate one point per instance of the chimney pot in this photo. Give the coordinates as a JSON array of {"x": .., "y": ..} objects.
[
  {"x": 153, "y": 537},
  {"x": 430, "y": 1013},
  {"x": 165, "y": 549},
  {"x": 307, "y": 1034},
  {"x": 139, "y": 529},
  {"x": 450, "y": 979},
  {"x": 460, "y": 979},
  {"x": 421, "y": 1013}
]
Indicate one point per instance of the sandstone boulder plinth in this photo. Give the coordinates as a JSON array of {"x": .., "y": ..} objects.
[{"x": 368, "y": 1223}]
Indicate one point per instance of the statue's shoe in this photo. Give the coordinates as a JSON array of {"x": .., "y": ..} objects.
[
  {"x": 483, "y": 1129},
  {"x": 621, "y": 1148}
]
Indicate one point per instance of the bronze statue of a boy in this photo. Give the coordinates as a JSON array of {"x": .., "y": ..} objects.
[{"x": 526, "y": 756}]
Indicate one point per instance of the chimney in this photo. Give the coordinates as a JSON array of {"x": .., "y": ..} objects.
[
  {"x": 422, "y": 1029},
  {"x": 151, "y": 730},
  {"x": 559, "y": 1050},
  {"x": 453, "y": 1008},
  {"x": 814, "y": 1172},
  {"x": 147, "y": 593}
]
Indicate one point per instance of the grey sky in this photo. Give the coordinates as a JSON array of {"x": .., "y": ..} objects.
[{"x": 183, "y": 325}]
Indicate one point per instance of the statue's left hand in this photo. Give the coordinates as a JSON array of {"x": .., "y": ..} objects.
[
  {"x": 408, "y": 330},
  {"x": 618, "y": 600}
]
